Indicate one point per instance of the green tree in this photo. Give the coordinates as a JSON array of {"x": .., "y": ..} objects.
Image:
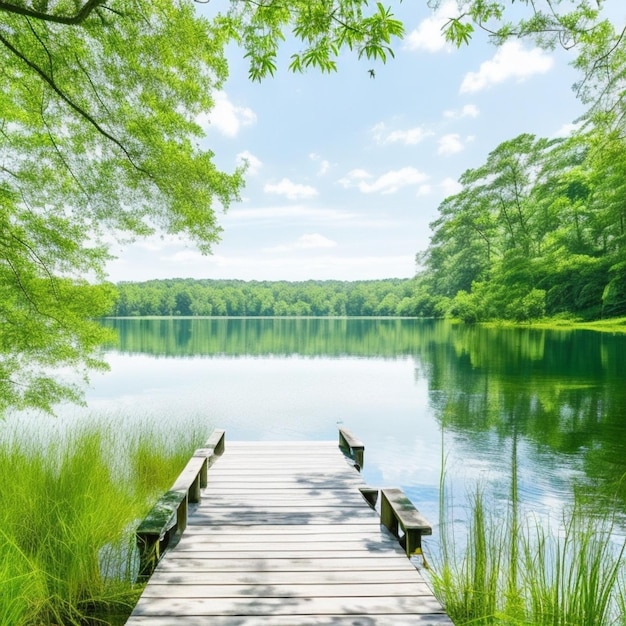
[{"x": 100, "y": 135}]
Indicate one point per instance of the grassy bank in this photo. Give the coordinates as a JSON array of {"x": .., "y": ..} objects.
[
  {"x": 68, "y": 506},
  {"x": 513, "y": 572},
  {"x": 613, "y": 325}
]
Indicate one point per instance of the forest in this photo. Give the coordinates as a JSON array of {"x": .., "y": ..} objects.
[
  {"x": 188, "y": 297},
  {"x": 538, "y": 230}
]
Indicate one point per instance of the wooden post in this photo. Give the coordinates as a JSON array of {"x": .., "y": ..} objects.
[
  {"x": 352, "y": 446},
  {"x": 371, "y": 495},
  {"x": 149, "y": 553},
  {"x": 190, "y": 478},
  {"x": 387, "y": 517},
  {"x": 207, "y": 454},
  {"x": 397, "y": 511},
  {"x": 181, "y": 514},
  {"x": 217, "y": 442},
  {"x": 155, "y": 531}
]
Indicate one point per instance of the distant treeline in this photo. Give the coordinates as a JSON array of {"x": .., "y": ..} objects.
[{"x": 190, "y": 297}]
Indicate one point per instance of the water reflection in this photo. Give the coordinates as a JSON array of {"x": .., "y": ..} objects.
[{"x": 417, "y": 392}]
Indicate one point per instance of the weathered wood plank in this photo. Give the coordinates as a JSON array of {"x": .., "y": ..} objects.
[
  {"x": 303, "y": 620},
  {"x": 273, "y": 499},
  {"x": 287, "y": 606},
  {"x": 334, "y": 541},
  {"x": 175, "y": 590},
  {"x": 179, "y": 562},
  {"x": 262, "y": 518},
  {"x": 252, "y": 548},
  {"x": 239, "y": 532},
  {"x": 285, "y": 554},
  {"x": 283, "y": 536},
  {"x": 273, "y": 577}
]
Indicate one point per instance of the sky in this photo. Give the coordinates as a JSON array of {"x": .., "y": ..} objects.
[{"x": 345, "y": 171}]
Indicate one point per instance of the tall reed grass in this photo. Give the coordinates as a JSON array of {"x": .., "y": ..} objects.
[
  {"x": 521, "y": 572},
  {"x": 68, "y": 507}
]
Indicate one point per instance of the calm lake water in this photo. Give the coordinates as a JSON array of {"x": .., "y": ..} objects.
[{"x": 423, "y": 395}]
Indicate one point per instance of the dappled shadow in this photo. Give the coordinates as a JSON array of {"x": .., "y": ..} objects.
[{"x": 292, "y": 548}]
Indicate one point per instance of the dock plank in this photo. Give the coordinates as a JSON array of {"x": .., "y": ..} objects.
[
  {"x": 287, "y": 620},
  {"x": 287, "y": 605},
  {"x": 209, "y": 563},
  {"x": 283, "y": 537}
]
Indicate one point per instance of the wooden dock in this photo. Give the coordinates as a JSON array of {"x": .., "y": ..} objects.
[{"x": 283, "y": 536}]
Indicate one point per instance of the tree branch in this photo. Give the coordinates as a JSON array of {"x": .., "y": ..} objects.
[
  {"x": 80, "y": 16},
  {"x": 82, "y": 112}
]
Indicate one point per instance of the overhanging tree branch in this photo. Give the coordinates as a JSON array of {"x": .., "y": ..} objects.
[
  {"x": 78, "y": 109},
  {"x": 80, "y": 16}
]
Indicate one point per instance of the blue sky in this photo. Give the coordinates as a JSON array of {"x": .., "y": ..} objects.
[{"x": 346, "y": 171}]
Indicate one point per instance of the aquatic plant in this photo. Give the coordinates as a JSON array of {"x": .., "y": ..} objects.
[
  {"x": 513, "y": 572},
  {"x": 68, "y": 506}
]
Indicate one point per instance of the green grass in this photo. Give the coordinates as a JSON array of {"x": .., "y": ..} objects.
[
  {"x": 611, "y": 325},
  {"x": 68, "y": 508},
  {"x": 514, "y": 572}
]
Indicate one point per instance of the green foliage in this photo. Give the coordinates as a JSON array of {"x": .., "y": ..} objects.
[
  {"x": 84, "y": 85},
  {"x": 524, "y": 574},
  {"x": 323, "y": 27},
  {"x": 547, "y": 23},
  {"x": 189, "y": 297},
  {"x": 67, "y": 516},
  {"x": 102, "y": 105},
  {"x": 81, "y": 159},
  {"x": 538, "y": 230},
  {"x": 614, "y": 294}
]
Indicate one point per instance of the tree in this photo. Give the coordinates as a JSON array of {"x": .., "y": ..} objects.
[
  {"x": 545, "y": 21},
  {"x": 100, "y": 136}
]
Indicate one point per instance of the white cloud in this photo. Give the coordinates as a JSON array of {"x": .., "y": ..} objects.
[
  {"x": 355, "y": 175},
  {"x": 291, "y": 190},
  {"x": 450, "y": 144},
  {"x": 282, "y": 215},
  {"x": 450, "y": 187},
  {"x": 511, "y": 60},
  {"x": 469, "y": 110},
  {"x": 310, "y": 241},
  {"x": 226, "y": 117},
  {"x": 409, "y": 137},
  {"x": 387, "y": 183},
  {"x": 254, "y": 164},
  {"x": 428, "y": 35},
  {"x": 324, "y": 165},
  {"x": 424, "y": 190},
  {"x": 184, "y": 257},
  {"x": 567, "y": 129}
]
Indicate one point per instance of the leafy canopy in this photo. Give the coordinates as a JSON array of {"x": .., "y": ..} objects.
[{"x": 100, "y": 138}]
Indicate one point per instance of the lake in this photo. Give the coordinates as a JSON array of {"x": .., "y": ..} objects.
[{"x": 423, "y": 395}]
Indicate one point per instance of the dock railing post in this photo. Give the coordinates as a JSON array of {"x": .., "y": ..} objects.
[
  {"x": 217, "y": 442},
  {"x": 352, "y": 447},
  {"x": 398, "y": 512},
  {"x": 156, "y": 530}
]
